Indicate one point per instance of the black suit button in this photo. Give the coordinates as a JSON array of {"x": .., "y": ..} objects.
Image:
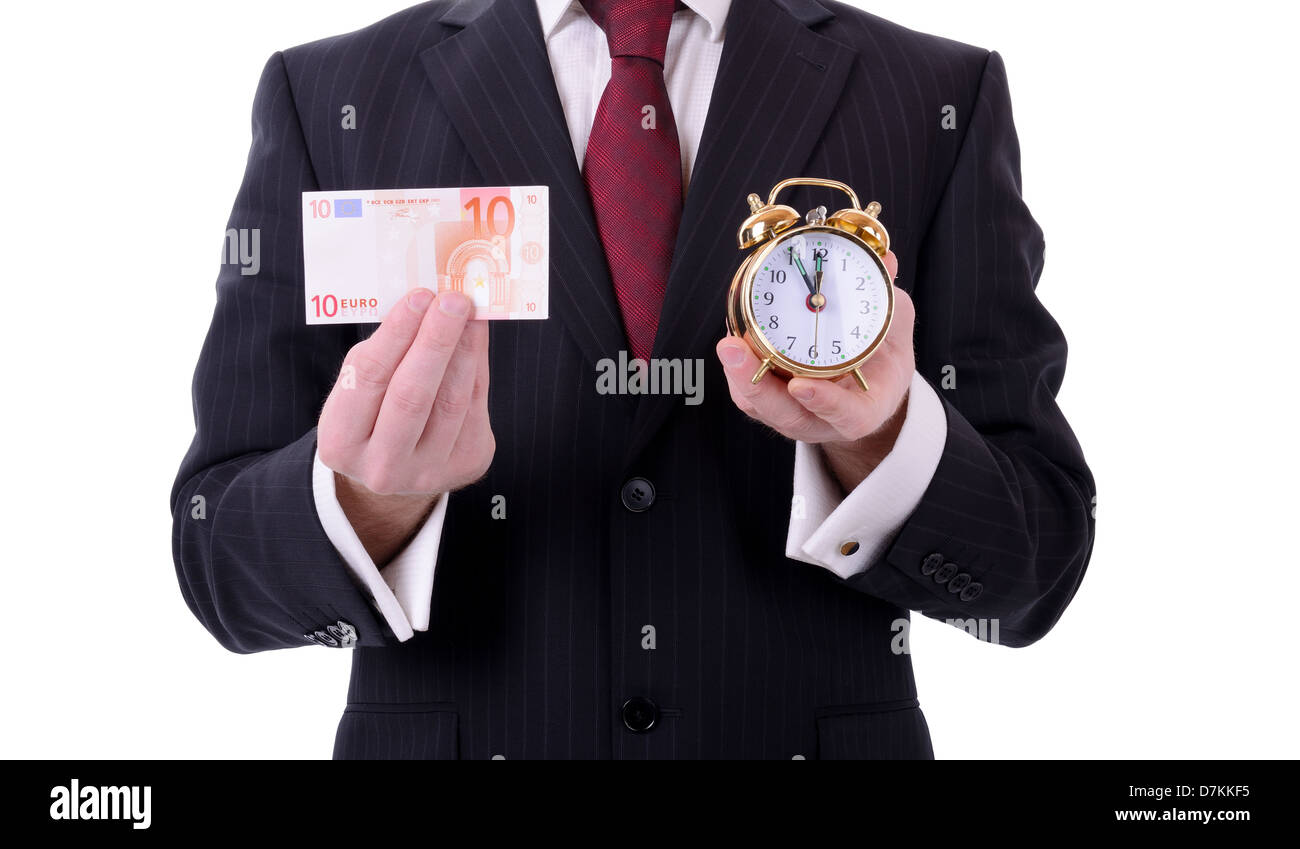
[
  {"x": 640, "y": 714},
  {"x": 638, "y": 494},
  {"x": 972, "y": 592},
  {"x": 931, "y": 564},
  {"x": 945, "y": 573},
  {"x": 959, "y": 583}
]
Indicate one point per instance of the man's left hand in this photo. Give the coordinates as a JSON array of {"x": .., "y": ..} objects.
[{"x": 855, "y": 429}]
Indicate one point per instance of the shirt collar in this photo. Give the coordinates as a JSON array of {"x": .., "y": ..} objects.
[{"x": 713, "y": 11}]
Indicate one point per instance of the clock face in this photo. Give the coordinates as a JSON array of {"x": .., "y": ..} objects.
[{"x": 825, "y": 332}]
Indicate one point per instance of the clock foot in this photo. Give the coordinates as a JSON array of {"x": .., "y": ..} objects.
[
  {"x": 862, "y": 381},
  {"x": 762, "y": 370}
]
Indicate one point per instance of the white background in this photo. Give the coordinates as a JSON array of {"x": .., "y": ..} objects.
[{"x": 1159, "y": 143}]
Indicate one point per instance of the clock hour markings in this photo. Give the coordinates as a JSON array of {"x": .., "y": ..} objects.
[{"x": 847, "y": 318}]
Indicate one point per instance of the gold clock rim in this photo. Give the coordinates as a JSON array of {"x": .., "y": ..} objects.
[{"x": 749, "y": 323}]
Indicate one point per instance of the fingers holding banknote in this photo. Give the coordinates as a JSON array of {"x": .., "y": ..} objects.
[{"x": 412, "y": 419}]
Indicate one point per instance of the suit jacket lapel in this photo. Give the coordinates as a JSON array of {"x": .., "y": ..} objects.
[
  {"x": 495, "y": 81},
  {"x": 777, "y": 84}
]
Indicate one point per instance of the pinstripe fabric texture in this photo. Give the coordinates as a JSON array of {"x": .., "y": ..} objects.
[{"x": 538, "y": 632}]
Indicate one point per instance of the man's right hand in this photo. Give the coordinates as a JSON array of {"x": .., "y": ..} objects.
[{"x": 408, "y": 418}]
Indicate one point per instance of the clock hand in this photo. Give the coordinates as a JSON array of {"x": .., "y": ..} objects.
[
  {"x": 812, "y": 289},
  {"x": 819, "y": 303}
]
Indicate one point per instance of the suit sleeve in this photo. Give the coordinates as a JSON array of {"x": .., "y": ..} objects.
[
  {"x": 253, "y": 561},
  {"x": 403, "y": 589},
  {"x": 1005, "y": 529},
  {"x": 823, "y": 518}
]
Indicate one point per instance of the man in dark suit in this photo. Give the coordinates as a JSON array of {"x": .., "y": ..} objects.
[{"x": 539, "y": 569}]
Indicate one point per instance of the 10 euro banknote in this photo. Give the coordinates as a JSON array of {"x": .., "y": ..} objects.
[{"x": 364, "y": 250}]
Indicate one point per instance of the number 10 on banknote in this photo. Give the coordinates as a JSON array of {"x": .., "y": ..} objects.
[{"x": 364, "y": 250}]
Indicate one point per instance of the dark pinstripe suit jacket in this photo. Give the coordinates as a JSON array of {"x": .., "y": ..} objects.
[{"x": 536, "y": 633}]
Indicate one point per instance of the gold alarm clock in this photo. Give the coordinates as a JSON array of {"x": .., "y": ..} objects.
[{"x": 812, "y": 300}]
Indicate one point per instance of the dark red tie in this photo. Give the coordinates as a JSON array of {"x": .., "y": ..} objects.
[{"x": 633, "y": 166}]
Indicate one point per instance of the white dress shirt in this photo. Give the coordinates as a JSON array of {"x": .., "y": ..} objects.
[{"x": 822, "y": 520}]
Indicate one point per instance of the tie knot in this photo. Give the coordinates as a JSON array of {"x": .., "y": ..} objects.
[{"x": 634, "y": 27}]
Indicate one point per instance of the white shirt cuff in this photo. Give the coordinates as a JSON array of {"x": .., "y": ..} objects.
[
  {"x": 822, "y": 525},
  {"x": 403, "y": 590}
]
